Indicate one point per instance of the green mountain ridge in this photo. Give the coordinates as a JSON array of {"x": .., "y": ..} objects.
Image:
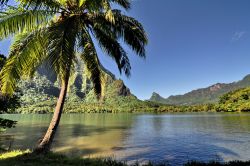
[{"x": 207, "y": 95}]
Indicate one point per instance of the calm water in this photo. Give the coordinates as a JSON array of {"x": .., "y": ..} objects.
[{"x": 176, "y": 138}]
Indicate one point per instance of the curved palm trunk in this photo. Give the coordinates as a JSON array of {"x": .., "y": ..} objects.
[{"x": 45, "y": 144}]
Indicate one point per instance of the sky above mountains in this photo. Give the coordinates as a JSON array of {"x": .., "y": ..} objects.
[{"x": 192, "y": 44}]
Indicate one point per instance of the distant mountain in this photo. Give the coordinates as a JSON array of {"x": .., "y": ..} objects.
[
  {"x": 210, "y": 94},
  {"x": 156, "y": 97}
]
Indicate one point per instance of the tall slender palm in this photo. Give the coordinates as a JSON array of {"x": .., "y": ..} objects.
[{"x": 60, "y": 31}]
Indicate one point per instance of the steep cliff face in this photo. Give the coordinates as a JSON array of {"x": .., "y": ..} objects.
[
  {"x": 210, "y": 94},
  {"x": 44, "y": 87},
  {"x": 118, "y": 88}
]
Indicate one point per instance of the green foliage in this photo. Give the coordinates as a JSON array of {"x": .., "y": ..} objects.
[
  {"x": 16, "y": 20},
  {"x": 5, "y": 123},
  {"x": 2, "y": 61},
  {"x": 8, "y": 103},
  {"x": 39, "y": 96},
  {"x": 235, "y": 101}
]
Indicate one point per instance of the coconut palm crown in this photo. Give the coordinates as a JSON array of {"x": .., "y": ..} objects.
[{"x": 58, "y": 32}]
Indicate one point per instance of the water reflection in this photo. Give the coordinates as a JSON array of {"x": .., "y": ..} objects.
[{"x": 173, "y": 137}]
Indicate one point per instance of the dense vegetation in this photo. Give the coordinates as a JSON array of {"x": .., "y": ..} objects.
[
  {"x": 39, "y": 96},
  {"x": 238, "y": 100},
  {"x": 207, "y": 95},
  {"x": 8, "y": 103}
]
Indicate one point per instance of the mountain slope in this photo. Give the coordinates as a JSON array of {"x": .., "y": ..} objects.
[
  {"x": 210, "y": 94},
  {"x": 238, "y": 100},
  {"x": 40, "y": 93}
]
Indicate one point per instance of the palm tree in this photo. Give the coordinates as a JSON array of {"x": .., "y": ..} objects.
[
  {"x": 2, "y": 61},
  {"x": 57, "y": 32}
]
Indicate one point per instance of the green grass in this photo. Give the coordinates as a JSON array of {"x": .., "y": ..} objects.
[
  {"x": 12, "y": 154},
  {"x": 27, "y": 158}
]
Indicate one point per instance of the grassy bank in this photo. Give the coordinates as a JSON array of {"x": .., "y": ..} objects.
[{"x": 26, "y": 158}]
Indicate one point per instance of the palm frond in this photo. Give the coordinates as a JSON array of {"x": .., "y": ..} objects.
[
  {"x": 92, "y": 63},
  {"x": 17, "y": 21},
  {"x": 126, "y": 4},
  {"x": 61, "y": 49},
  {"x": 125, "y": 27},
  {"x": 131, "y": 31},
  {"x": 53, "y": 5},
  {"x": 98, "y": 5},
  {"x": 112, "y": 47},
  {"x": 26, "y": 53},
  {"x": 3, "y": 2}
]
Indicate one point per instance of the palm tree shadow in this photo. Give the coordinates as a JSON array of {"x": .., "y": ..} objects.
[{"x": 53, "y": 159}]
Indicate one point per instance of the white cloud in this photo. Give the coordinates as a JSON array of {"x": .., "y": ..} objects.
[{"x": 238, "y": 35}]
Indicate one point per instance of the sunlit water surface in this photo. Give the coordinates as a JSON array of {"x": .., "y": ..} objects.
[{"x": 176, "y": 138}]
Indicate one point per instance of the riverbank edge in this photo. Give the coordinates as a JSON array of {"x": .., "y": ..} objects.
[
  {"x": 139, "y": 113},
  {"x": 27, "y": 158}
]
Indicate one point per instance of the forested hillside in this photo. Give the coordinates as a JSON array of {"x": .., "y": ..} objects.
[
  {"x": 38, "y": 95},
  {"x": 238, "y": 100}
]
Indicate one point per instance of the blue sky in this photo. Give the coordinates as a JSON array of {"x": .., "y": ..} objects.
[{"x": 192, "y": 44}]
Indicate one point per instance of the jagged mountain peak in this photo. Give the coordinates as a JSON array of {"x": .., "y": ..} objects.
[{"x": 156, "y": 97}]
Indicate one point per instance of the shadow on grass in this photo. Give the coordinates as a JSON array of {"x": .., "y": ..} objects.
[
  {"x": 26, "y": 158},
  {"x": 19, "y": 158}
]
